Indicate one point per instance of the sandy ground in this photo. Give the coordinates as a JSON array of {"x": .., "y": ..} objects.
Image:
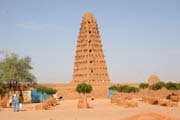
[{"x": 101, "y": 109}]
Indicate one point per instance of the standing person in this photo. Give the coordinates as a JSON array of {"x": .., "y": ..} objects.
[
  {"x": 21, "y": 100},
  {"x": 16, "y": 103}
]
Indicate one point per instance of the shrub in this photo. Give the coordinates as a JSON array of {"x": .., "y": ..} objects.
[
  {"x": 44, "y": 89},
  {"x": 158, "y": 86},
  {"x": 143, "y": 85},
  {"x": 41, "y": 88},
  {"x": 113, "y": 87},
  {"x": 127, "y": 89},
  {"x": 51, "y": 91},
  {"x": 178, "y": 86},
  {"x": 172, "y": 86}
]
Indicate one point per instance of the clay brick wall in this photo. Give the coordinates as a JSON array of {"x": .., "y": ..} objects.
[
  {"x": 67, "y": 91},
  {"x": 89, "y": 65}
]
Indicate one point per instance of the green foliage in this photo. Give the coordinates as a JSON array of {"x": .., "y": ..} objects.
[
  {"x": 2, "y": 91},
  {"x": 143, "y": 85},
  {"x": 157, "y": 86},
  {"x": 172, "y": 86},
  {"x": 83, "y": 88},
  {"x": 44, "y": 89},
  {"x": 125, "y": 88},
  {"x": 51, "y": 91},
  {"x": 178, "y": 86},
  {"x": 41, "y": 88},
  {"x": 15, "y": 71},
  {"x": 113, "y": 87}
]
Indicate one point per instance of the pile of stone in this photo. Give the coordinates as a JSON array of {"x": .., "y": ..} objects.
[
  {"x": 46, "y": 104},
  {"x": 123, "y": 99},
  {"x": 173, "y": 97},
  {"x": 167, "y": 103},
  {"x": 159, "y": 101},
  {"x": 150, "y": 100}
]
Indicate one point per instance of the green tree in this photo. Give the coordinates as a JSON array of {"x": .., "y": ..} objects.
[
  {"x": 15, "y": 72},
  {"x": 84, "y": 89}
]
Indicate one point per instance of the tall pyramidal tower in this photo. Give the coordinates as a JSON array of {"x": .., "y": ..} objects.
[{"x": 90, "y": 65}]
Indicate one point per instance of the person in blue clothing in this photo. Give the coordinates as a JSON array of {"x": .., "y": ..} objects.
[{"x": 16, "y": 103}]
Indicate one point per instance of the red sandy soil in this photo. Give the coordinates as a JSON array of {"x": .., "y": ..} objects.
[
  {"x": 150, "y": 116},
  {"x": 101, "y": 109}
]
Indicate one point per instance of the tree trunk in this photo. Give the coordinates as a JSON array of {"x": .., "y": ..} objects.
[
  {"x": 85, "y": 101},
  {"x": 42, "y": 101}
]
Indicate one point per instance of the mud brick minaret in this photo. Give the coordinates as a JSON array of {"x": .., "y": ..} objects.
[{"x": 90, "y": 65}]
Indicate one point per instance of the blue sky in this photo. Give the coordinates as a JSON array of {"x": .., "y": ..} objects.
[{"x": 139, "y": 37}]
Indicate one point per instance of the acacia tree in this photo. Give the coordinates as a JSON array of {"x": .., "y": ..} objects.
[
  {"x": 84, "y": 89},
  {"x": 15, "y": 72}
]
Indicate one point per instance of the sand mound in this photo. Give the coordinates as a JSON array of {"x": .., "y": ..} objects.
[{"x": 150, "y": 116}]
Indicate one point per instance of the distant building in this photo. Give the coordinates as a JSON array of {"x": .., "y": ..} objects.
[{"x": 153, "y": 79}]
